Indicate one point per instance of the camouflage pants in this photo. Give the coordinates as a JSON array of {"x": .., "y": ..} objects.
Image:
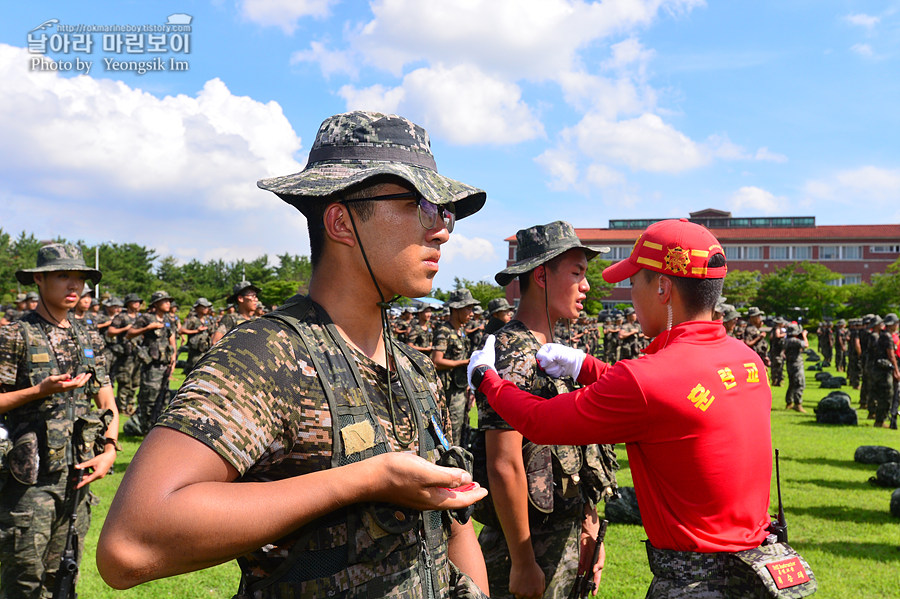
[
  {"x": 153, "y": 378},
  {"x": 33, "y": 527},
  {"x": 864, "y": 380},
  {"x": 555, "y": 550},
  {"x": 853, "y": 369},
  {"x": 776, "y": 371},
  {"x": 826, "y": 355},
  {"x": 840, "y": 358},
  {"x": 688, "y": 575},
  {"x": 881, "y": 393},
  {"x": 459, "y": 416},
  {"x": 796, "y": 383},
  {"x": 128, "y": 377}
]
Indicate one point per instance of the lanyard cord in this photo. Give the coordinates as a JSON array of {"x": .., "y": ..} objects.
[{"x": 389, "y": 356}]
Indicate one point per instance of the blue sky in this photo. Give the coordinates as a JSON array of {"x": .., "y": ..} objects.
[{"x": 559, "y": 109}]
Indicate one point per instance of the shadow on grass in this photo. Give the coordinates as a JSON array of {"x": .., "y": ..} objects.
[
  {"x": 838, "y": 463},
  {"x": 877, "y": 552},
  {"x": 837, "y": 513},
  {"x": 840, "y": 485}
]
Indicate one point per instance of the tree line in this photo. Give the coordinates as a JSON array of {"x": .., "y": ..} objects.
[{"x": 802, "y": 289}]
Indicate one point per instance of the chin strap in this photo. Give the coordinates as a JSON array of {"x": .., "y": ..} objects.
[{"x": 389, "y": 355}]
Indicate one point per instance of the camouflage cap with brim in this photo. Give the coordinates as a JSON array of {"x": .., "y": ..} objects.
[
  {"x": 32, "y": 296},
  {"x": 240, "y": 288},
  {"x": 541, "y": 243},
  {"x": 55, "y": 257},
  {"x": 498, "y": 305},
  {"x": 461, "y": 298},
  {"x": 354, "y": 147},
  {"x": 202, "y": 301}
]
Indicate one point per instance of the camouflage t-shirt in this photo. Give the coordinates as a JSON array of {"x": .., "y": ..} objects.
[
  {"x": 256, "y": 400},
  {"x": 14, "y": 368}
]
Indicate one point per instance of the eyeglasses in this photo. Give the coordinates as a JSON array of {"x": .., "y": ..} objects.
[{"x": 428, "y": 211}]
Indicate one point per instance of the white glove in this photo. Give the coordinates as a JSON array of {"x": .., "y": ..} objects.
[
  {"x": 560, "y": 360},
  {"x": 481, "y": 357}
]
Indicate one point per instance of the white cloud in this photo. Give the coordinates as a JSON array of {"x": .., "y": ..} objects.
[
  {"x": 603, "y": 176},
  {"x": 562, "y": 166},
  {"x": 863, "y": 20},
  {"x": 766, "y": 155},
  {"x": 460, "y": 104},
  {"x": 158, "y": 171},
  {"x": 645, "y": 143},
  {"x": 863, "y": 50},
  {"x": 468, "y": 249},
  {"x": 331, "y": 62},
  {"x": 284, "y": 13},
  {"x": 869, "y": 184},
  {"x": 756, "y": 199}
]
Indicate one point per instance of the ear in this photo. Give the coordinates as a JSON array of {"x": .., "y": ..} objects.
[
  {"x": 539, "y": 276},
  {"x": 664, "y": 289},
  {"x": 338, "y": 227}
]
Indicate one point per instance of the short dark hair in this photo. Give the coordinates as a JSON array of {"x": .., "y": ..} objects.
[
  {"x": 362, "y": 211},
  {"x": 701, "y": 294}
]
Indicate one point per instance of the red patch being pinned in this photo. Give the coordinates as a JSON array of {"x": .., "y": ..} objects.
[{"x": 787, "y": 573}]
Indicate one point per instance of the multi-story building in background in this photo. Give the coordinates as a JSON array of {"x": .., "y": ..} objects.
[{"x": 855, "y": 252}]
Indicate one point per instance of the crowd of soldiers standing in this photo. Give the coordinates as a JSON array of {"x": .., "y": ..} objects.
[{"x": 143, "y": 340}]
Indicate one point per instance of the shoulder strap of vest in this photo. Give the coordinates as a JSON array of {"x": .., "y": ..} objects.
[{"x": 41, "y": 358}]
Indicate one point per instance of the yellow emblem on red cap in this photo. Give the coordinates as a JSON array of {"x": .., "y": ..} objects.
[{"x": 678, "y": 260}]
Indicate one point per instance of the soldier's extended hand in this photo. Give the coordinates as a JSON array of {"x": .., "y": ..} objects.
[
  {"x": 97, "y": 467},
  {"x": 408, "y": 480},
  {"x": 59, "y": 383}
]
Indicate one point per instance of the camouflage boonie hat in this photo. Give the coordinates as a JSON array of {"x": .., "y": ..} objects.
[
  {"x": 132, "y": 297},
  {"x": 21, "y": 297},
  {"x": 891, "y": 319},
  {"x": 159, "y": 296},
  {"x": 55, "y": 257},
  {"x": 239, "y": 289},
  {"x": 629, "y": 311},
  {"x": 754, "y": 311},
  {"x": 730, "y": 314},
  {"x": 114, "y": 302},
  {"x": 541, "y": 243},
  {"x": 498, "y": 304},
  {"x": 202, "y": 301},
  {"x": 354, "y": 147},
  {"x": 461, "y": 298},
  {"x": 32, "y": 296}
]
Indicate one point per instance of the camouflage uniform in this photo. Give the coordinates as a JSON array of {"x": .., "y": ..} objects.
[
  {"x": 776, "y": 356},
  {"x": 455, "y": 346},
  {"x": 198, "y": 343},
  {"x": 285, "y": 396},
  {"x": 881, "y": 387},
  {"x": 793, "y": 360},
  {"x": 853, "y": 356},
  {"x": 154, "y": 352},
  {"x": 570, "y": 477},
  {"x": 126, "y": 369},
  {"x": 421, "y": 336},
  {"x": 629, "y": 347},
  {"x": 34, "y": 517},
  {"x": 841, "y": 337},
  {"x": 826, "y": 343}
]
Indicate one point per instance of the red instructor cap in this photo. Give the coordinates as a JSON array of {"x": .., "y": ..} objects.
[{"x": 672, "y": 247}]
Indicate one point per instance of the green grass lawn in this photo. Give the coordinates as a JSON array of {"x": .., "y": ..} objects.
[{"x": 836, "y": 519}]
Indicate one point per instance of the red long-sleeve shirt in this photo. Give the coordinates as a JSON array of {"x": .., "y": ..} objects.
[{"x": 694, "y": 415}]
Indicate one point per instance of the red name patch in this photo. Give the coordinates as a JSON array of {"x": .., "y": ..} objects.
[{"x": 787, "y": 573}]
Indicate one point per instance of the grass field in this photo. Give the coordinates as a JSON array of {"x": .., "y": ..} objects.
[{"x": 837, "y": 520}]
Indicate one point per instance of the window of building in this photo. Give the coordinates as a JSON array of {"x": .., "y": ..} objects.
[
  {"x": 852, "y": 279},
  {"x": 885, "y": 249},
  {"x": 801, "y": 252},
  {"x": 851, "y": 252},
  {"x": 779, "y": 252},
  {"x": 752, "y": 252},
  {"x": 829, "y": 252},
  {"x": 626, "y": 284}
]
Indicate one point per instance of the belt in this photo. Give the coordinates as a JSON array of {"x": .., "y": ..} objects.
[{"x": 688, "y": 565}]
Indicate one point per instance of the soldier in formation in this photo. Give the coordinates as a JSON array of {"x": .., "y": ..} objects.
[
  {"x": 59, "y": 409},
  {"x": 451, "y": 356},
  {"x": 243, "y": 298},
  {"x": 543, "y": 498},
  {"x": 794, "y": 344}
]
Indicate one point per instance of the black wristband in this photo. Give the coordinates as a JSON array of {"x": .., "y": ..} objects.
[
  {"x": 113, "y": 442},
  {"x": 478, "y": 375}
]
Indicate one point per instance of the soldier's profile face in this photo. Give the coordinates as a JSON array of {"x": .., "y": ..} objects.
[
  {"x": 402, "y": 253},
  {"x": 567, "y": 286}
]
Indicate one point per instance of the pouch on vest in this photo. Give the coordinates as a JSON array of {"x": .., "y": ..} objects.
[
  {"x": 568, "y": 461},
  {"x": 783, "y": 572},
  {"x": 884, "y": 364},
  {"x": 143, "y": 355},
  {"x": 59, "y": 433},
  {"x": 24, "y": 458},
  {"x": 538, "y": 462},
  {"x": 89, "y": 432}
]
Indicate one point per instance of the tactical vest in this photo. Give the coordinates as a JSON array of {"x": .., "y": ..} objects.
[
  {"x": 64, "y": 427},
  {"x": 367, "y": 549},
  {"x": 458, "y": 348},
  {"x": 560, "y": 478},
  {"x": 154, "y": 346}
]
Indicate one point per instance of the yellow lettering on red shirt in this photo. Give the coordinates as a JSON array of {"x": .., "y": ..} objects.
[
  {"x": 752, "y": 372},
  {"x": 727, "y": 377},
  {"x": 701, "y": 397}
]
